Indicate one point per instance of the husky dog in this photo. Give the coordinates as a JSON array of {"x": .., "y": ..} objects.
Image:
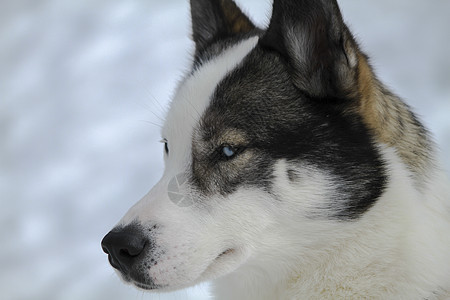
[{"x": 291, "y": 172}]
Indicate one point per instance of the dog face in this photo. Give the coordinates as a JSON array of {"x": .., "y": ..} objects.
[{"x": 266, "y": 156}]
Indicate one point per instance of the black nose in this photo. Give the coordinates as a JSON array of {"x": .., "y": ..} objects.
[{"x": 123, "y": 247}]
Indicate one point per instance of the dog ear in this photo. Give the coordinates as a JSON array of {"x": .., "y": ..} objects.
[
  {"x": 317, "y": 45},
  {"x": 213, "y": 20}
]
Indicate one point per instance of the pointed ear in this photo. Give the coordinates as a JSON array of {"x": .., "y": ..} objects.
[
  {"x": 213, "y": 20},
  {"x": 317, "y": 45}
]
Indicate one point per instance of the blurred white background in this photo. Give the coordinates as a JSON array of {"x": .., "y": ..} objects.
[{"x": 83, "y": 85}]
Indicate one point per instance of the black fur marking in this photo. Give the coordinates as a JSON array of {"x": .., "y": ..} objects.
[
  {"x": 292, "y": 98},
  {"x": 281, "y": 122}
]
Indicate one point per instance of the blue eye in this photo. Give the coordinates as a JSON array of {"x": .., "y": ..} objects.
[{"x": 228, "y": 151}]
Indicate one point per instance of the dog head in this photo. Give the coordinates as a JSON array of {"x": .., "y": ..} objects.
[{"x": 265, "y": 154}]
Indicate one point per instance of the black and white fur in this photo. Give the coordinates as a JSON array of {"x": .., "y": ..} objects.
[{"x": 309, "y": 179}]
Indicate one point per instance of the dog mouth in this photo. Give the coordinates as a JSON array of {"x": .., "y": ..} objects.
[
  {"x": 226, "y": 259},
  {"x": 223, "y": 259},
  {"x": 226, "y": 262},
  {"x": 225, "y": 253},
  {"x": 145, "y": 286},
  {"x": 140, "y": 282}
]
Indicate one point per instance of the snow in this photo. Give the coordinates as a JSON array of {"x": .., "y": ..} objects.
[{"x": 83, "y": 85}]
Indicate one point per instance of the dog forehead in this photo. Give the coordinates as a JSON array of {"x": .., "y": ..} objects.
[
  {"x": 195, "y": 92},
  {"x": 219, "y": 135},
  {"x": 255, "y": 97}
]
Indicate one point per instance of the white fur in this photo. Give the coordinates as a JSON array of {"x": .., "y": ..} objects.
[{"x": 399, "y": 249}]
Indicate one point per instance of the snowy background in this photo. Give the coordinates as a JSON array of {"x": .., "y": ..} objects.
[{"x": 83, "y": 85}]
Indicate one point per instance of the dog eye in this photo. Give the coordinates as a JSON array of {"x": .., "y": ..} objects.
[
  {"x": 166, "y": 145},
  {"x": 228, "y": 151}
]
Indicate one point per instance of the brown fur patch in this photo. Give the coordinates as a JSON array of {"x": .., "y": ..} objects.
[
  {"x": 392, "y": 121},
  {"x": 237, "y": 21}
]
